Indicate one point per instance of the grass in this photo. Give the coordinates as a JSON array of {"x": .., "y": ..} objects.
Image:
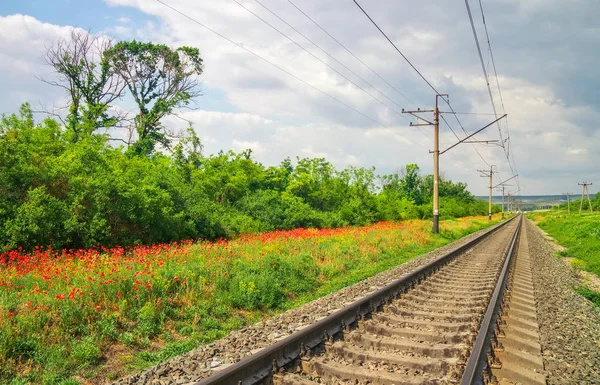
[
  {"x": 580, "y": 235},
  {"x": 590, "y": 295},
  {"x": 74, "y": 316}
]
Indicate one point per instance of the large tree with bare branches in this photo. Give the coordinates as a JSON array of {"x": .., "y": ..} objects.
[
  {"x": 89, "y": 80},
  {"x": 160, "y": 79}
]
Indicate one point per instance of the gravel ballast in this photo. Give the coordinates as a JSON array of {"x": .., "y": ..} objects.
[
  {"x": 207, "y": 359},
  {"x": 569, "y": 324}
]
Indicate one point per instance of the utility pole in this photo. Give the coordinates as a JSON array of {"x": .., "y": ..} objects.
[
  {"x": 502, "y": 201},
  {"x": 436, "y": 149},
  {"x": 489, "y": 174},
  {"x": 585, "y": 191},
  {"x": 568, "y": 202},
  {"x": 436, "y": 155},
  {"x": 503, "y": 184},
  {"x": 502, "y": 189}
]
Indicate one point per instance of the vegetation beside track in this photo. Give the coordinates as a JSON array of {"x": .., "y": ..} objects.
[
  {"x": 580, "y": 235},
  {"x": 88, "y": 315}
]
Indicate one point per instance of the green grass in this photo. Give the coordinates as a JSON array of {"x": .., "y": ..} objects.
[
  {"x": 591, "y": 295},
  {"x": 580, "y": 235}
]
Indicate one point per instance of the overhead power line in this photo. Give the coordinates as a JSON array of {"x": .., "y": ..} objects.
[
  {"x": 508, "y": 147},
  {"x": 273, "y": 64},
  {"x": 316, "y": 57},
  {"x": 487, "y": 82},
  {"x": 327, "y": 53},
  {"x": 421, "y": 75},
  {"x": 351, "y": 53},
  {"x": 492, "y": 57},
  {"x": 394, "y": 45}
]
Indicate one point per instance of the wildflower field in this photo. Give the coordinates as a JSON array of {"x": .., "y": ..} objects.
[{"x": 85, "y": 316}]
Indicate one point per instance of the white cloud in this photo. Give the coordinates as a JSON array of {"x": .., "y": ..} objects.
[
  {"x": 255, "y": 146},
  {"x": 544, "y": 62}
]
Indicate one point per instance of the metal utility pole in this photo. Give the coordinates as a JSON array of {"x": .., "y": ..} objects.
[
  {"x": 568, "y": 202},
  {"x": 436, "y": 150},
  {"x": 502, "y": 190},
  {"x": 502, "y": 201},
  {"x": 436, "y": 155},
  {"x": 503, "y": 184},
  {"x": 436, "y": 167},
  {"x": 585, "y": 191},
  {"x": 489, "y": 174}
]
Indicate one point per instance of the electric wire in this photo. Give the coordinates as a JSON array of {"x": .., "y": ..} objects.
[
  {"x": 322, "y": 61},
  {"x": 394, "y": 45},
  {"x": 420, "y": 74},
  {"x": 350, "y": 52},
  {"x": 273, "y": 64},
  {"x": 509, "y": 149},
  {"x": 327, "y": 53},
  {"x": 487, "y": 82},
  {"x": 316, "y": 57},
  {"x": 506, "y": 151}
]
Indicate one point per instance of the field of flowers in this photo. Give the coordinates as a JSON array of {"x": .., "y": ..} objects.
[{"x": 77, "y": 316}]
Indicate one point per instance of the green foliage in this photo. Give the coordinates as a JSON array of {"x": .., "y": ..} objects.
[
  {"x": 579, "y": 234},
  {"x": 590, "y": 295},
  {"x": 160, "y": 79},
  {"x": 77, "y": 194},
  {"x": 148, "y": 322},
  {"x": 85, "y": 353}
]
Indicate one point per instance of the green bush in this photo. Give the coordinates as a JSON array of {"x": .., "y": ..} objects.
[
  {"x": 85, "y": 353},
  {"x": 148, "y": 320},
  {"x": 77, "y": 192}
]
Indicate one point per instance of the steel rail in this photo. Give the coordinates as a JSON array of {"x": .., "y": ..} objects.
[
  {"x": 477, "y": 362},
  {"x": 259, "y": 366}
]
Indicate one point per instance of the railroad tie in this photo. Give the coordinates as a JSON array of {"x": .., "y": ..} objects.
[{"x": 521, "y": 356}]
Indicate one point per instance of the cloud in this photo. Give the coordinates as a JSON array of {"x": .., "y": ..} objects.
[
  {"x": 541, "y": 48},
  {"x": 23, "y": 40}
]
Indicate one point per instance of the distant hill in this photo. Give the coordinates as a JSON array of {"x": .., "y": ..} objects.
[{"x": 530, "y": 202}]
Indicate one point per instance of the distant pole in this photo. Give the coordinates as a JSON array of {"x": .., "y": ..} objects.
[
  {"x": 490, "y": 174},
  {"x": 585, "y": 190},
  {"x": 568, "y": 203},
  {"x": 490, "y": 200},
  {"x": 436, "y": 167},
  {"x": 502, "y": 201}
]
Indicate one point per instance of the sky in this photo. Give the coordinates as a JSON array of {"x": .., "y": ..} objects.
[{"x": 345, "y": 104}]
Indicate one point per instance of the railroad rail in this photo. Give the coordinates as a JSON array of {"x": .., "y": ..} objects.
[{"x": 438, "y": 324}]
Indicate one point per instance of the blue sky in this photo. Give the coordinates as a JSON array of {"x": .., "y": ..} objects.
[
  {"x": 96, "y": 15},
  {"x": 543, "y": 55}
]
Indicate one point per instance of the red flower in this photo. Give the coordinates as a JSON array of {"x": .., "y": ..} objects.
[
  {"x": 11, "y": 314},
  {"x": 118, "y": 294},
  {"x": 97, "y": 307},
  {"x": 176, "y": 279}
]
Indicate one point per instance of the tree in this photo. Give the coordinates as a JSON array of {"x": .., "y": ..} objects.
[
  {"x": 411, "y": 183},
  {"x": 88, "y": 79},
  {"x": 160, "y": 80}
]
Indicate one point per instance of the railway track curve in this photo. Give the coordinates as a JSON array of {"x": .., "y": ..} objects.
[{"x": 443, "y": 323}]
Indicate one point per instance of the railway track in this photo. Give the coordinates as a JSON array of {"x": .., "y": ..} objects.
[{"x": 441, "y": 324}]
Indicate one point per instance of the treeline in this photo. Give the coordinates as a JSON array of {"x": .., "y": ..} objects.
[{"x": 75, "y": 194}]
